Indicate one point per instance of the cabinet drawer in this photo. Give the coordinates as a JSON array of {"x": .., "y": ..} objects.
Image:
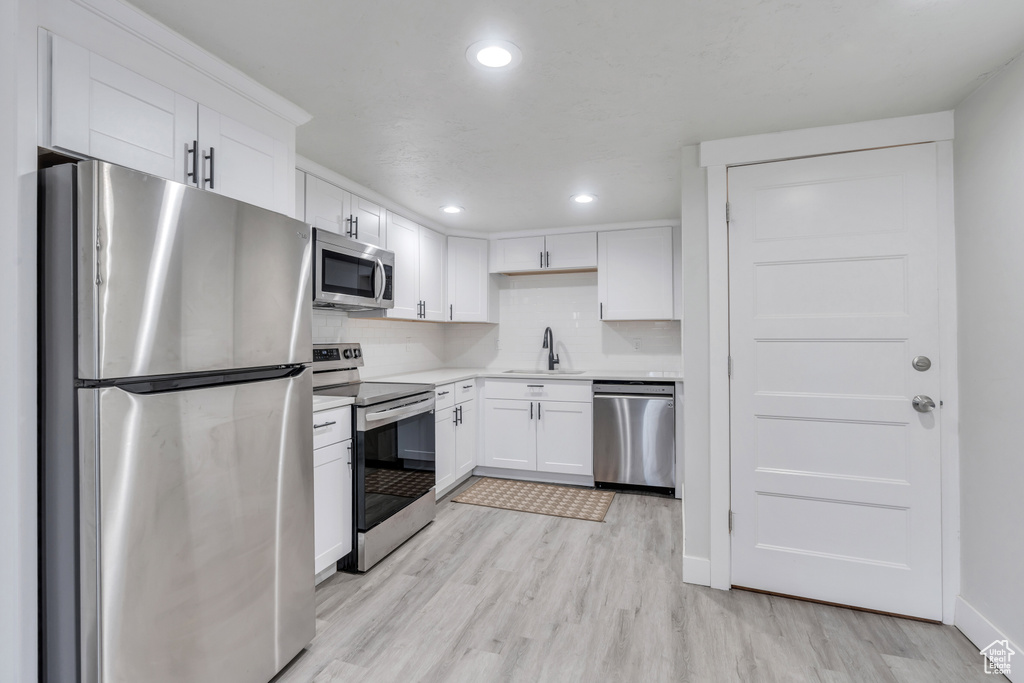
[
  {"x": 444, "y": 396},
  {"x": 332, "y": 426},
  {"x": 341, "y": 450},
  {"x": 539, "y": 390},
  {"x": 465, "y": 390}
]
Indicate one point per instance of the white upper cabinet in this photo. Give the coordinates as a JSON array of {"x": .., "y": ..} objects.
[
  {"x": 327, "y": 206},
  {"x": 366, "y": 221},
  {"x": 102, "y": 110},
  {"x": 470, "y": 291},
  {"x": 518, "y": 254},
  {"x": 240, "y": 162},
  {"x": 575, "y": 251},
  {"x": 634, "y": 274},
  {"x": 403, "y": 238},
  {"x": 432, "y": 280},
  {"x": 419, "y": 270}
]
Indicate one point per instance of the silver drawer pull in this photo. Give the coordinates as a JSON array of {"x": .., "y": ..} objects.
[{"x": 325, "y": 424}]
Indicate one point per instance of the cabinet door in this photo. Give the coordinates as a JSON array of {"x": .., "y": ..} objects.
[
  {"x": 432, "y": 274},
  {"x": 332, "y": 504},
  {"x": 466, "y": 438},
  {"x": 327, "y": 206},
  {"x": 468, "y": 280},
  {"x": 403, "y": 239},
  {"x": 243, "y": 163},
  {"x": 444, "y": 448},
  {"x": 511, "y": 434},
  {"x": 300, "y": 195},
  {"x": 102, "y": 110},
  {"x": 565, "y": 439},
  {"x": 518, "y": 254},
  {"x": 570, "y": 252},
  {"x": 367, "y": 221},
  {"x": 634, "y": 274}
]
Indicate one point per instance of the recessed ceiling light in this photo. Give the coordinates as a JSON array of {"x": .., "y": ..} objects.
[
  {"x": 451, "y": 208},
  {"x": 494, "y": 55},
  {"x": 583, "y": 198}
]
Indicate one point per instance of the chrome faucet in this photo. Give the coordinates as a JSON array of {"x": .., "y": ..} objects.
[{"x": 549, "y": 344}]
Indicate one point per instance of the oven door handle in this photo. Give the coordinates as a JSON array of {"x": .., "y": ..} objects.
[{"x": 400, "y": 411}]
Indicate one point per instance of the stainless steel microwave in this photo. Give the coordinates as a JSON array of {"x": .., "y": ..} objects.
[{"x": 351, "y": 275}]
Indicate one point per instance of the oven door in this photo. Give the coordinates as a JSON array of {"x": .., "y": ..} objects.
[
  {"x": 394, "y": 464},
  {"x": 351, "y": 275}
]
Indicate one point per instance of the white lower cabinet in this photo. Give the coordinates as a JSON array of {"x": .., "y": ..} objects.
[
  {"x": 332, "y": 487},
  {"x": 510, "y": 434},
  {"x": 523, "y": 433},
  {"x": 565, "y": 438},
  {"x": 445, "y": 426},
  {"x": 455, "y": 435},
  {"x": 467, "y": 439}
]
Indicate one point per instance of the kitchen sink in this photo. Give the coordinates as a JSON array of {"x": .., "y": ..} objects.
[{"x": 544, "y": 372}]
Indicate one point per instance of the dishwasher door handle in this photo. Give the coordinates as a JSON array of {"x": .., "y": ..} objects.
[{"x": 645, "y": 397}]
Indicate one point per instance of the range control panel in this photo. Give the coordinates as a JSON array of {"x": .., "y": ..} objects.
[{"x": 338, "y": 356}]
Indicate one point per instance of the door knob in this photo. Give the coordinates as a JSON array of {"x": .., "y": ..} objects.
[{"x": 923, "y": 404}]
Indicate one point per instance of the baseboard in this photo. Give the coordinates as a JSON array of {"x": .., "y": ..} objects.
[
  {"x": 982, "y": 632},
  {"x": 697, "y": 570}
]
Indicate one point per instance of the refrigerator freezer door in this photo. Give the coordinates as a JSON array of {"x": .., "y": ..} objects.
[
  {"x": 205, "y": 531},
  {"x": 174, "y": 279}
]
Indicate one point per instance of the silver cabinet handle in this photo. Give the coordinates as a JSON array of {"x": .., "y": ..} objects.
[
  {"x": 325, "y": 424},
  {"x": 923, "y": 404}
]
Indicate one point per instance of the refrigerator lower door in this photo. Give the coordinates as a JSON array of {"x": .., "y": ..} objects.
[{"x": 199, "y": 506}]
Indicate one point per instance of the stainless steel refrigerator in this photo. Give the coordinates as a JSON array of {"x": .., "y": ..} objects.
[{"x": 176, "y": 432}]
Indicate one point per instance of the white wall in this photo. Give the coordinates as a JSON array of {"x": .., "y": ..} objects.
[
  {"x": 989, "y": 168},
  {"x": 567, "y": 303},
  {"x": 18, "y": 601},
  {"x": 389, "y": 346},
  {"x": 695, "y": 363}
]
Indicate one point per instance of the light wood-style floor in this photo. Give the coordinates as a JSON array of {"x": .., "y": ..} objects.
[{"x": 493, "y": 595}]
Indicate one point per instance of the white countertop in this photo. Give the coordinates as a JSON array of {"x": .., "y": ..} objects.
[
  {"x": 448, "y": 375},
  {"x": 328, "y": 402}
]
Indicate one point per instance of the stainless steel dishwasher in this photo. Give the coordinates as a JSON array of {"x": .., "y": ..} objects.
[{"x": 635, "y": 435}]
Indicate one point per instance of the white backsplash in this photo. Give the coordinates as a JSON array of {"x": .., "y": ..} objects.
[
  {"x": 568, "y": 304},
  {"x": 528, "y": 303},
  {"x": 389, "y": 346}
]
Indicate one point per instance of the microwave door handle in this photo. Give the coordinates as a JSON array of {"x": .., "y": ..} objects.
[{"x": 380, "y": 269}]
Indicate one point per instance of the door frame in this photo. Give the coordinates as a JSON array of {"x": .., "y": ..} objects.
[{"x": 716, "y": 157}]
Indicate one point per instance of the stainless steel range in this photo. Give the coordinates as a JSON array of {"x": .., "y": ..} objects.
[{"x": 393, "y": 427}]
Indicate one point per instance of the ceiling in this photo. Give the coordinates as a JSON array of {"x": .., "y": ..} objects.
[{"x": 607, "y": 93}]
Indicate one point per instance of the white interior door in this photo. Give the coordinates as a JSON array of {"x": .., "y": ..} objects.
[{"x": 833, "y": 293}]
